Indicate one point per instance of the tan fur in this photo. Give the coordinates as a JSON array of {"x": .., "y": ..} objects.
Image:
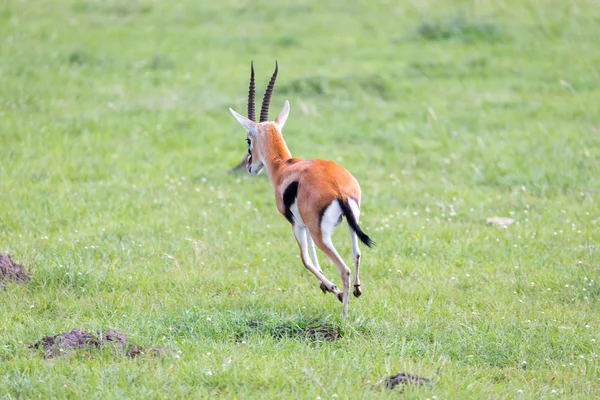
[{"x": 320, "y": 182}]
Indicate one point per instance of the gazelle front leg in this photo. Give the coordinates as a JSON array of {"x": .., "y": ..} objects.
[
  {"x": 303, "y": 237},
  {"x": 313, "y": 250}
]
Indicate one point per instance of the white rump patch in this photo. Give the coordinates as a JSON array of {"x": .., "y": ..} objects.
[
  {"x": 354, "y": 208},
  {"x": 331, "y": 218}
]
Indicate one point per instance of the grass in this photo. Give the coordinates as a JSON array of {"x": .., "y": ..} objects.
[{"x": 115, "y": 142}]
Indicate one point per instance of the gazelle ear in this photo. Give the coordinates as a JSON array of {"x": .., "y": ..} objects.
[
  {"x": 283, "y": 115},
  {"x": 249, "y": 125}
]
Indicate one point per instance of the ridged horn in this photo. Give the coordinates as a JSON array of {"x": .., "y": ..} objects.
[
  {"x": 251, "y": 94},
  {"x": 264, "y": 110}
]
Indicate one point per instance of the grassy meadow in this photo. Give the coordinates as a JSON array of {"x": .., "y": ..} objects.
[{"x": 115, "y": 147}]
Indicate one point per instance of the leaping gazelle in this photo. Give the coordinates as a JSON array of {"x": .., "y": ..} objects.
[{"x": 313, "y": 195}]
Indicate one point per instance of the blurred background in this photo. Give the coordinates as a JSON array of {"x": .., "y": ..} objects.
[
  {"x": 503, "y": 84},
  {"x": 115, "y": 146}
]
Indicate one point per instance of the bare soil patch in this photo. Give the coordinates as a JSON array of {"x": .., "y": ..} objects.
[
  {"x": 404, "y": 378},
  {"x": 66, "y": 343},
  {"x": 10, "y": 270}
]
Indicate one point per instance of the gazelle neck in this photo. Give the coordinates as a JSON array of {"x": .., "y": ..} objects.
[{"x": 274, "y": 150}]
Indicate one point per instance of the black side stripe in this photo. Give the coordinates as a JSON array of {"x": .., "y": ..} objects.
[{"x": 289, "y": 197}]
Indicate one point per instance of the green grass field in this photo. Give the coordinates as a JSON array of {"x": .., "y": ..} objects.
[{"x": 115, "y": 146}]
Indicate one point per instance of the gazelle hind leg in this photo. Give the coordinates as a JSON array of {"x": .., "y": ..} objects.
[
  {"x": 356, "y": 257},
  {"x": 302, "y": 235},
  {"x": 355, "y": 249},
  {"x": 327, "y": 246},
  {"x": 330, "y": 220}
]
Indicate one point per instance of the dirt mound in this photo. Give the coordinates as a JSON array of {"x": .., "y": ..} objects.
[
  {"x": 404, "y": 378},
  {"x": 68, "y": 340},
  {"x": 66, "y": 343},
  {"x": 10, "y": 270}
]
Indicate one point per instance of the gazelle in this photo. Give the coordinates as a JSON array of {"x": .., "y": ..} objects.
[{"x": 313, "y": 195}]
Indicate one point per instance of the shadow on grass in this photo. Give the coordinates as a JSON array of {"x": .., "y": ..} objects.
[
  {"x": 243, "y": 326},
  {"x": 300, "y": 329}
]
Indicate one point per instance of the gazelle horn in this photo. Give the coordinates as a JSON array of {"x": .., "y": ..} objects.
[
  {"x": 264, "y": 110},
  {"x": 251, "y": 94}
]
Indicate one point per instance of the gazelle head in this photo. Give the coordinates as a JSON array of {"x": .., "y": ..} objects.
[{"x": 258, "y": 133}]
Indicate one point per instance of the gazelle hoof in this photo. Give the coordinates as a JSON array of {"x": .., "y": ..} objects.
[
  {"x": 324, "y": 288},
  {"x": 357, "y": 292},
  {"x": 340, "y": 296}
]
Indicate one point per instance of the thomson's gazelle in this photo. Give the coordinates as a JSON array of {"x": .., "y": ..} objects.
[{"x": 313, "y": 195}]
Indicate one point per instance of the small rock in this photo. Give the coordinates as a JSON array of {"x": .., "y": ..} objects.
[{"x": 500, "y": 221}]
